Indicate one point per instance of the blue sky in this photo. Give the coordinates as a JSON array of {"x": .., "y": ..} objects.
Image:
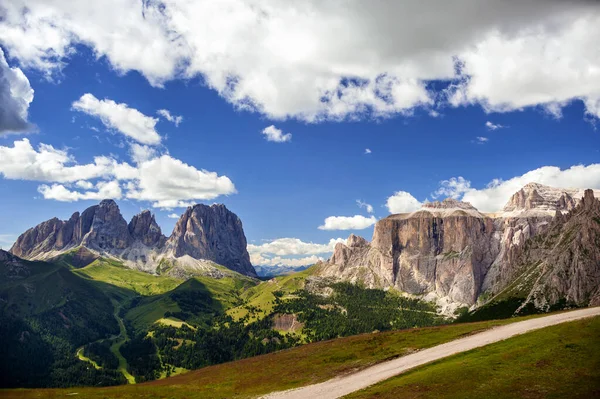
[{"x": 421, "y": 141}]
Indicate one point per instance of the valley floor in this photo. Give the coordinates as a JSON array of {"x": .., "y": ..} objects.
[{"x": 319, "y": 362}]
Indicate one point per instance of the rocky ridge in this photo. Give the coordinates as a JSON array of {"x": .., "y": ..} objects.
[
  {"x": 448, "y": 251},
  {"x": 203, "y": 236}
]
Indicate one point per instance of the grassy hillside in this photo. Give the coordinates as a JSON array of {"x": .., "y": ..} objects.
[
  {"x": 556, "y": 362},
  {"x": 116, "y": 274},
  {"x": 291, "y": 368},
  {"x": 212, "y": 296},
  {"x": 260, "y": 300},
  {"x": 46, "y": 313}
]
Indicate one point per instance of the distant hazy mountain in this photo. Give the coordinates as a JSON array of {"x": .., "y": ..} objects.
[{"x": 271, "y": 271}]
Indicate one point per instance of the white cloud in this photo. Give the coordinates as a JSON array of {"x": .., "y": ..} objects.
[
  {"x": 368, "y": 151},
  {"x": 293, "y": 246},
  {"x": 129, "y": 121},
  {"x": 173, "y": 216},
  {"x": 141, "y": 153},
  {"x": 169, "y": 182},
  {"x": 15, "y": 96},
  {"x": 498, "y": 192},
  {"x": 176, "y": 119},
  {"x": 317, "y": 60},
  {"x": 453, "y": 187},
  {"x": 356, "y": 222},
  {"x": 290, "y": 252},
  {"x": 47, "y": 164},
  {"x": 548, "y": 63},
  {"x": 276, "y": 135},
  {"x": 402, "y": 202},
  {"x": 481, "y": 140},
  {"x": 493, "y": 126},
  {"x": 164, "y": 180},
  {"x": 103, "y": 190},
  {"x": 368, "y": 207}
]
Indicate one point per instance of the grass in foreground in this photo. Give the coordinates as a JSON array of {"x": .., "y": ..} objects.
[
  {"x": 562, "y": 361},
  {"x": 287, "y": 369}
]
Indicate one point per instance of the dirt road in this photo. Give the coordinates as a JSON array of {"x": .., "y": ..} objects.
[{"x": 338, "y": 387}]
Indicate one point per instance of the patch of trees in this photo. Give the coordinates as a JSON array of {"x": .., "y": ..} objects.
[
  {"x": 353, "y": 309},
  {"x": 100, "y": 353}
]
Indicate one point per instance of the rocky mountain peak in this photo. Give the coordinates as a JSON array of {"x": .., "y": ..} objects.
[
  {"x": 535, "y": 196},
  {"x": 143, "y": 227},
  {"x": 356, "y": 241},
  {"x": 449, "y": 203},
  {"x": 213, "y": 233}
]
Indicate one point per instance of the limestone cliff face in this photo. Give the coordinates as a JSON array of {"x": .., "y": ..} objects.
[
  {"x": 562, "y": 263},
  {"x": 445, "y": 248},
  {"x": 213, "y": 233},
  {"x": 202, "y": 235},
  {"x": 450, "y": 250}
]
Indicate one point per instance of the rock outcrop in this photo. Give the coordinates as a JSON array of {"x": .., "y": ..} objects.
[
  {"x": 143, "y": 227},
  {"x": 203, "y": 235},
  {"x": 213, "y": 233},
  {"x": 563, "y": 263},
  {"x": 448, "y": 250}
]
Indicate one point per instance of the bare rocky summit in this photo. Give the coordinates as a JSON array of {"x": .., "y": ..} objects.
[
  {"x": 204, "y": 235},
  {"x": 213, "y": 233}
]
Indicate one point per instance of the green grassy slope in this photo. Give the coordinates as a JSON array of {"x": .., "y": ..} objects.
[
  {"x": 114, "y": 273},
  {"x": 291, "y": 368},
  {"x": 556, "y": 362},
  {"x": 48, "y": 312},
  {"x": 216, "y": 295},
  {"x": 261, "y": 297}
]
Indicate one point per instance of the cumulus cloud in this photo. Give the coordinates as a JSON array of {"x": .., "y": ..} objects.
[
  {"x": 273, "y": 134},
  {"x": 316, "y": 60},
  {"x": 166, "y": 181},
  {"x": 481, "y": 140},
  {"x": 453, "y": 187},
  {"x": 141, "y": 153},
  {"x": 290, "y": 252},
  {"x": 48, "y": 164},
  {"x": 356, "y": 222},
  {"x": 103, "y": 190},
  {"x": 173, "y": 216},
  {"x": 493, "y": 126},
  {"x": 15, "y": 96},
  {"x": 497, "y": 193},
  {"x": 176, "y": 119},
  {"x": 129, "y": 121},
  {"x": 293, "y": 246},
  {"x": 368, "y": 151},
  {"x": 368, "y": 207},
  {"x": 402, "y": 202}
]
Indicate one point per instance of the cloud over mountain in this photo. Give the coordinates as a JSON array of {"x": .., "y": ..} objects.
[{"x": 317, "y": 61}]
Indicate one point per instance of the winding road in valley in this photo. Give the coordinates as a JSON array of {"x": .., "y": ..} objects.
[
  {"x": 341, "y": 386},
  {"x": 119, "y": 340}
]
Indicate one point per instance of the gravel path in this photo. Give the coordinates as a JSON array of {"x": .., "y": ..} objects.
[{"x": 340, "y": 386}]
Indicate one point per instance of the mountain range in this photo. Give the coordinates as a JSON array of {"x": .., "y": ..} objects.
[
  {"x": 94, "y": 300},
  {"x": 203, "y": 235},
  {"x": 451, "y": 253}
]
